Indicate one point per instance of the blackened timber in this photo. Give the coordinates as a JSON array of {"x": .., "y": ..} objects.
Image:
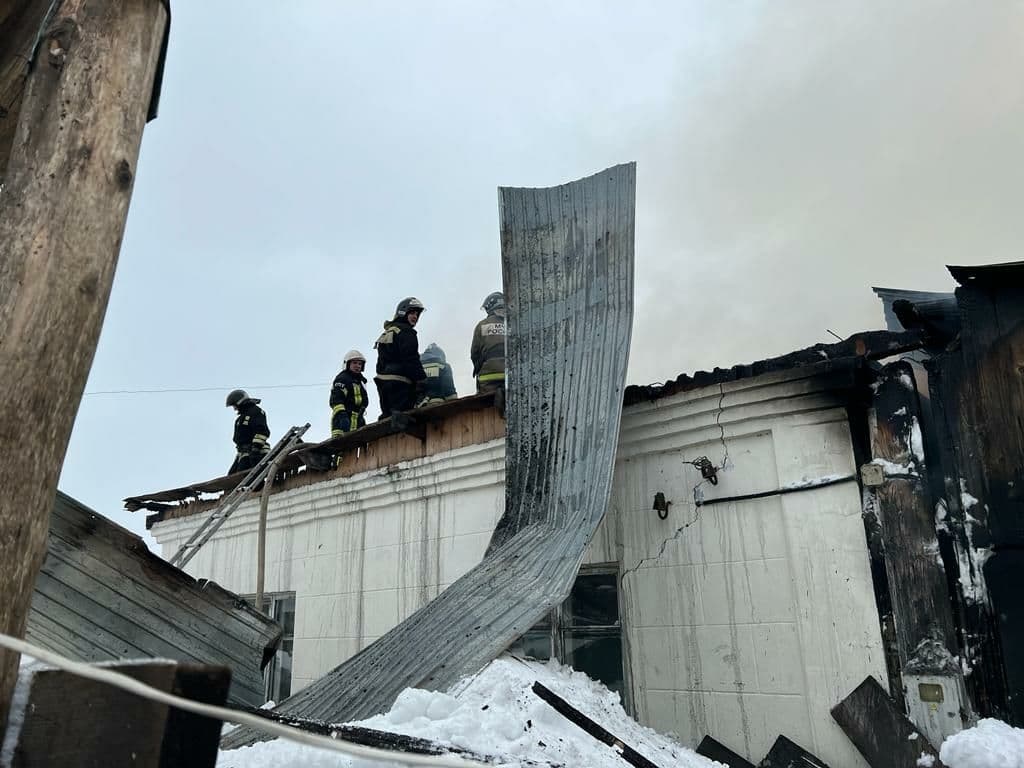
[
  {"x": 716, "y": 750},
  {"x": 916, "y": 574},
  {"x": 976, "y": 387},
  {"x": 75, "y": 721},
  {"x": 373, "y": 737},
  {"x": 567, "y": 258},
  {"x": 786, "y": 753},
  {"x": 878, "y": 728},
  {"x": 598, "y": 731},
  {"x": 867, "y": 345},
  {"x": 190, "y": 739}
]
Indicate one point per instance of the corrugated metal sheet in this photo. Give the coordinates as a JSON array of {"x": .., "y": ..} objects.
[
  {"x": 567, "y": 255},
  {"x": 101, "y": 595}
]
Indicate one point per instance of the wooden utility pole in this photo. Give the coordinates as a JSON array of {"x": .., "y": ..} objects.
[{"x": 63, "y": 206}]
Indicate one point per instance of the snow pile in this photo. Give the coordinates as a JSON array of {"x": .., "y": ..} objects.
[
  {"x": 990, "y": 744},
  {"x": 496, "y": 713}
]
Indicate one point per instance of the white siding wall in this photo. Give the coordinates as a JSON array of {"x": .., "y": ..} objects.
[{"x": 751, "y": 621}]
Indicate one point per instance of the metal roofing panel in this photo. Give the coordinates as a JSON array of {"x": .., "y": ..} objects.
[{"x": 567, "y": 256}]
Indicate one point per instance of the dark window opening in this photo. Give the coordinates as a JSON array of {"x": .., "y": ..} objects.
[
  {"x": 278, "y": 673},
  {"x": 584, "y": 631}
]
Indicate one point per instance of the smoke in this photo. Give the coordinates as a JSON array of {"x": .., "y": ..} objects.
[{"x": 829, "y": 148}]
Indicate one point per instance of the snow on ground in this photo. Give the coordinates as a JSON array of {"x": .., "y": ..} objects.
[
  {"x": 990, "y": 744},
  {"x": 495, "y": 712}
]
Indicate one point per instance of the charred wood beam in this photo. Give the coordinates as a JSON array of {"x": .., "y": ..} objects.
[
  {"x": 74, "y": 721},
  {"x": 881, "y": 732},
  {"x": 717, "y": 751},
  {"x": 598, "y": 731},
  {"x": 867, "y": 345}
]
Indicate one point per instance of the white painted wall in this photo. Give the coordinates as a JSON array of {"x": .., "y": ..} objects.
[{"x": 754, "y": 620}]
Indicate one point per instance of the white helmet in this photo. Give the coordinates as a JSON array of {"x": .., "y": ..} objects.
[{"x": 353, "y": 354}]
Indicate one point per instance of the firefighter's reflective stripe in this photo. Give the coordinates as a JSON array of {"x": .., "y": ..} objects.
[
  {"x": 353, "y": 421},
  {"x": 388, "y": 337},
  {"x": 357, "y": 396},
  {"x": 491, "y": 377},
  {"x": 393, "y": 377},
  {"x": 260, "y": 441},
  {"x": 433, "y": 370}
]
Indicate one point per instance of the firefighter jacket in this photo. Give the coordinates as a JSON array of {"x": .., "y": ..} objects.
[
  {"x": 398, "y": 353},
  {"x": 348, "y": 400},
  {"x": 251, "y": 430},
  {"x": 488, "y": 348}
]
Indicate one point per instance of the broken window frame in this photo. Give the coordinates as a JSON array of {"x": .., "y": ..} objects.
[
  {"x": 558, "y": 629},
  {"x": 276, "y": 687}
]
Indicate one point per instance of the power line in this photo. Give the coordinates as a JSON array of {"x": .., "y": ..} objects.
[{"x": 254, "y": 387}]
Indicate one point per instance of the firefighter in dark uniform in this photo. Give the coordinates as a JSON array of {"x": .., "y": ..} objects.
[
  {"x": 488, "y": 349},
  {"x": 348, "y": 395},
  {"x": 400, "y": 376},
  {"x": 251, "y": 431},
  {"x": 440, "y": 381}
]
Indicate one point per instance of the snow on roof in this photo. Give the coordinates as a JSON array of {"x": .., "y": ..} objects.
[{"x": 496, "y": 713}]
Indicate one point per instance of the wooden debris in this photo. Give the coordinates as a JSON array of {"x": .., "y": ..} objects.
[
  {"x": 715, "y": 750},
  {"x": 788, "y": 754},
  {"x": 191, "y": 739},
  {"x": 879, "y": 729},
  {"x": 573, "y": 715},
  {"x": 72, "y": 721}
]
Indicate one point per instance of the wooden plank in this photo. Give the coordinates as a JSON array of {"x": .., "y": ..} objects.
[
  {"x": 715, "y": 750},
  {"x": 192, "y": 740},
  {"x": 878, "y": 728},
  {"x": 72, "y": 721},
  {"x": 599, "y": 732},
  {"x": 786, "y": 753}
]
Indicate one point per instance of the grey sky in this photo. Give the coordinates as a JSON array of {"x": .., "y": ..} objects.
[{"x": 315, "y": 162}]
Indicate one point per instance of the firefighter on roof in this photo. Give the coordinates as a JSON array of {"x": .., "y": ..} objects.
[
  {"x": 348, "y": 395},
  {"x": 440, "y": 381},
  {"x": 400, "y": 376},
  {"x": 251, "y": 431},
  {"x": 488, "y": 349}
]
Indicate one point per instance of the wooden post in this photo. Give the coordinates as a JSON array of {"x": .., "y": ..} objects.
[
  {"x": 261, "y": 546},
  {"x": 933, "y": 688},
  {"x": 62, "y": 214}
]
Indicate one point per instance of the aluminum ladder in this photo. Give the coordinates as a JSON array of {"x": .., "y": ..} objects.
[{"x": 231, "y": 502}]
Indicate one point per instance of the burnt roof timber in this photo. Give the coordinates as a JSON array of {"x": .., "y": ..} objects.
[{"x": 867, "y": 345}]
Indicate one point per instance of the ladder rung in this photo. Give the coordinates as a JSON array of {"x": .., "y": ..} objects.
[{"x": 229, "y": 502}]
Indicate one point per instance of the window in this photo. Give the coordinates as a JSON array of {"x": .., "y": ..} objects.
[
  {"x": 584, "y": 631},
  {"x": 278, "y": 674}
]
